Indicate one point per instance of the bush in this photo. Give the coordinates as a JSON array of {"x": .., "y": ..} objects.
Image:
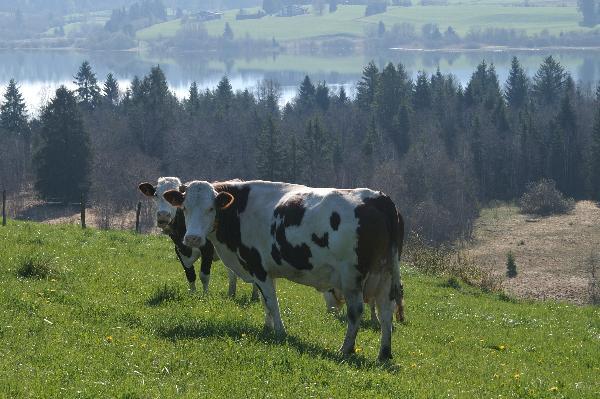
[
  {"x": 543, "y": 199},
  {"x": 36, "y": 266}
]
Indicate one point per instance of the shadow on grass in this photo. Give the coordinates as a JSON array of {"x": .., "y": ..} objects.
[
  {"x": 164, "y": 293},
  {"x": 243, "y": 301},
  {"x": 195, "y": 329}
]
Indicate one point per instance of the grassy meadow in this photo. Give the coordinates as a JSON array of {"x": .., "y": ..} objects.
[
  {"x": 106, "y": 314},
  {"x": 349, "y": 21}
]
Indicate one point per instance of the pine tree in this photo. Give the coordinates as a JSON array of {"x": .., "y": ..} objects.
[
  {"x": 63, "y": 159},
  {"x": 422, "y": 95},
  {"x": 306, "y": 95},
  {"x": 517, "y": 86},
  {"x": 88, "y": 92},
  {"x": 13, "y": 113},
  {"x": 401, "y": 130},
  {"x": 594, "y": 170},
  {"x": 567, "y": 122},
  {"x": 322, "y": 96},
  {"x": 367, "y": 86},
  {"x": 227, "y": 33},
  {"x": 270, "y": 153},
  {"x": 342, "y": 96},
  {"x": 192, "y": 103},
  {"x": 511, "y": 265},
  {"x": 549, "y": 81},
  {"x": 111, "y": 90}
]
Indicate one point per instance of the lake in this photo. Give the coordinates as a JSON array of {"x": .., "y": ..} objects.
[{"x": 40, "y": 72}]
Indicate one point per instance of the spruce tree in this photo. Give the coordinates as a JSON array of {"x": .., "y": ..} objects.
[
  {"x": 511, "y": 265},
  {"x": 322, "y": 96},
  {"x": 549, "y": 81},
  {"x": 422, "y": 95},
  {"x": 306, "y": 95},
  {"x": 13, "y": 113},
  {"x": 192, "y": 103},
  {"x": 387, "y": 96},
  {"x": 88, "y": 92},
  {"x": 367, "y": 86},
  {"x": 567, "y": 122},
  {"x": 270, "y": 153},
  {"x": 111, "y": 90},
  {"x": 62, "y": 160},
  {"x": 401, "y": 129},
  {"x": 227, "y": 33},
  {"x": 517, "y": 86}
]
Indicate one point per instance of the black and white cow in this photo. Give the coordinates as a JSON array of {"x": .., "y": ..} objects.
[
  {"x": 347, "y": 240},
  {"x": 172, "y": 222}
]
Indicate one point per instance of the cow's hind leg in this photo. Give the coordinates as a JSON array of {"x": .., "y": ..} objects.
[
  {"x": 272, "y": 316},
  {"x": 232, "y": 283},
  {"x": 354, "y": 306},
  {"x": 255, "y": 293},
  {"x": 374, "y": 319},
  {"x": 385, "y": 308}
]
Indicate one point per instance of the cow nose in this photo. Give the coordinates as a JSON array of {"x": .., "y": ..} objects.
[{"x": 193, "y": 241}]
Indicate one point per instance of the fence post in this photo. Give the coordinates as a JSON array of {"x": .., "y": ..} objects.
[
  {"x": 137, "y": 216},
  {"x": 3, "y": 207},
  {"x": 82, "y": 211}
]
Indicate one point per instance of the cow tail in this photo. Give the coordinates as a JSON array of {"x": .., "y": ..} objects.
[{"x": 397, "y": 290}]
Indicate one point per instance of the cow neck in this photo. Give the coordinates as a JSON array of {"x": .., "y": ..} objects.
[
  {"x": 176, "y": 231},
  {"x": 226, "y": 228}
]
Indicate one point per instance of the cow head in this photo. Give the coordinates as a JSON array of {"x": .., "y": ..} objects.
[
  {"x": 200, "y": 203},
  {"x": 165, "y": 212}
]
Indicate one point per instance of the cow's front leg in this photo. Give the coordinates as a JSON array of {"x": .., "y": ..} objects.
[
  {"x": 232, "y": 282},
  {"x": 272, "y": 316},
  {"x": 207, "y": 253},
  {"x": 188, "y": 267},
  {"x": 354, "y": 306}
]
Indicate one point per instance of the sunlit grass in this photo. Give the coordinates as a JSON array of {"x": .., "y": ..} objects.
[{"x": 118, "y": 322}]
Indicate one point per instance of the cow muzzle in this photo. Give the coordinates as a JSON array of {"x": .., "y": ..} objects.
[
  {"x": 193, "y": 241},
  {"x": 163, "y": 218}
]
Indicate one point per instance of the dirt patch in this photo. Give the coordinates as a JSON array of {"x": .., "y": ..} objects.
[{"x": 550, "y": 252}]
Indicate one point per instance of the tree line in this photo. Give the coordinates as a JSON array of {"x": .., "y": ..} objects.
[{"x": 439, "y": 149}]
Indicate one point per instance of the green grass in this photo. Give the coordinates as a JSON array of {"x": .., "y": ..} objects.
[
  {"x": 117, "y": 322},
  {"x": 350, "y": 21}
]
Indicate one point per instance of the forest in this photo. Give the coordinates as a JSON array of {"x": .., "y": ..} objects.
[{"x": 441, "y": 150}]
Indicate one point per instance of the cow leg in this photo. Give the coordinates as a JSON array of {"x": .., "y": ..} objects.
[
  {"x": 333, "y": 301},
  {"x": 354, "y": 306},
  {"x": 188, "y": 268},
  {"x": 207, "y": 253},
  {"x": 232, "y": 283},
  {"x": 255, "y": 294},
  {"x": 374, "y": 318},
  {"x": 272, "y": 316},
  {"x": 385, "y": 307}
]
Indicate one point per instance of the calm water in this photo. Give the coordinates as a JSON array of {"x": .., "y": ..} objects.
[{"x": 40, "y": 72}]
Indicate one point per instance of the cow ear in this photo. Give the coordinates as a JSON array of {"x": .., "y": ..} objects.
[
  {"x": 182, "y": 188},
  {"x": 147, "y": 189},
  {"x": 174, "y": 197},
  {"x": 224, "y": 200}
]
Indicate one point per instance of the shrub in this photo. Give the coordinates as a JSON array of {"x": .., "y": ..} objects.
[
  {"x": 543, "y": 199},
  {"x": 37, "y": 266},
  {"x": 511, "y": 265}
]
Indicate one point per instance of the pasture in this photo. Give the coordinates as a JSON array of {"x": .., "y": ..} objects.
[
  {"x": 349, "y": 21},
  {"x": 89, "y": 313}
]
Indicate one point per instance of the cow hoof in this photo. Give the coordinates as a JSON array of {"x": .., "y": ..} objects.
[
  {"x": 347, "y": 351},
  {"x": 385, "y": 354}
]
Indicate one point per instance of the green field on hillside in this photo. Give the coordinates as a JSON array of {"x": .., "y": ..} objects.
[
  {"x": 112, "y": 318},
  {"x": 350, "y": 21}
]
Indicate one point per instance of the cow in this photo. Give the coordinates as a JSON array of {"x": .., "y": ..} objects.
[
  {"x": 346, "y": 240},
  {"x": 172, "y": 222}
]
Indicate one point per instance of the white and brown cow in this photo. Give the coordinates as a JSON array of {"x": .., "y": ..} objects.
[
  {"x": 172, "y": 222},
  {"x": 347, "y": 240}
]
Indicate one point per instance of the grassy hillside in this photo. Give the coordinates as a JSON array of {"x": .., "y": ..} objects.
[
  {"x": 350, "y": 21},
  {"x": 112, "y": 319}
]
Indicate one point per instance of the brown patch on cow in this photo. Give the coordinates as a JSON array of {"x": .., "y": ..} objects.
[
  {"x": 291, "y": 213},
  {"x": 228, "y": 229},
  {"x": 224, "y": 200},
  {"x": 377, "y": 232},
  {"x": 147, "y": 189},
  {"x": 334, "y": 220},
  {"x": 321, "y": 241}
]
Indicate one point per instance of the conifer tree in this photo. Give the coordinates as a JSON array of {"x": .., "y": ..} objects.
[
  {"x": 322, "y": 96},
  {"x": 88, "y": 92},
  {"x": 549, "y": 81},
  {"x": 227, "y": 33},
  {"x": 192, "y": 103},
  {"x": 422, "y": 95},
  {"x": 270, "y": 153},
  {"x": 401, "y": 130},
  {"x": 111, "y": 90},
  {"x": 511, "y": 265},
  {"x": 63, "y": 158},
  {"x": 306, "y": 95},
  {"x": 517, "y": 86},
  {"x": 13, "y": 112},
  {"x": 367, "y": 86}
]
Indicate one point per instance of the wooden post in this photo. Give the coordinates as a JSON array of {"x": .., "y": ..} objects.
[
  {"x": 3, "y": 207},
  {"x": 82, "y": 211},
  {"x": 137, "y": 216}
]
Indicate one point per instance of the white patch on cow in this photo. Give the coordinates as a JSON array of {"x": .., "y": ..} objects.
[{"x": 165, "y": 212}]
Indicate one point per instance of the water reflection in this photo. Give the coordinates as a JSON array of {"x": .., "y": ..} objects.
[{"x": 39, "y": 73}]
